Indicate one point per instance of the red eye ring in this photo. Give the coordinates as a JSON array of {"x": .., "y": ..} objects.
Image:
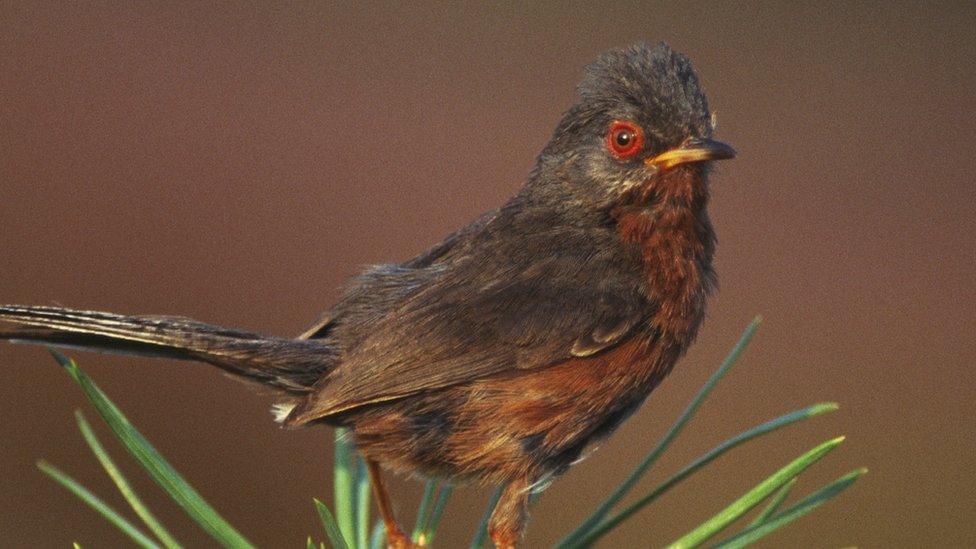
[{"x": 624, "y": 139}]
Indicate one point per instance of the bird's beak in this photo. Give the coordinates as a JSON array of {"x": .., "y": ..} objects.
[{"x": 692, "y": 150}]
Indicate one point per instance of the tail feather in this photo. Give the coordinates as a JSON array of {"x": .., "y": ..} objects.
[{"x": 291, "y": 365}]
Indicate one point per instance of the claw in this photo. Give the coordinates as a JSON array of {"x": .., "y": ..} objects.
[{"x": 399, "y": 540}]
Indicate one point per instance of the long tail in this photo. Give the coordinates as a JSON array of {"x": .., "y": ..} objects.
[{"x": 291, "y": 365}]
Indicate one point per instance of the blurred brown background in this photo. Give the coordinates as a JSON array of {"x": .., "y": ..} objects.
[{"x": 236, "y": 163}]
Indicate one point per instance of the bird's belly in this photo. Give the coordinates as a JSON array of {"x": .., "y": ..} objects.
[{"x": 526, "y": 424}]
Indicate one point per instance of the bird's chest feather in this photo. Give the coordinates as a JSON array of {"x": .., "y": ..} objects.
[
  {"x": 673, "y": 243},
  {"x": 535, "y": 422}
]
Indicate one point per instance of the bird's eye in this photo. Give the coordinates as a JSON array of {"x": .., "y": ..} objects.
[{"x": 624, "y": 139}]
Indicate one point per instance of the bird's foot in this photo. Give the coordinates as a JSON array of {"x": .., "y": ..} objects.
[
  {"x": 503, "y": 543},
  {"x": 503, "y": 540},
  {"x": 399, "y": 540}
]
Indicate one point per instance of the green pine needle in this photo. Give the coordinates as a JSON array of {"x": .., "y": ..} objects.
[
  {"x": 331, "y": 527},
  {"x": 430, "y": 491},
  {"x": 427, "y": 537},
  {"x": 756, "y": 531},
  {"x": 362, "y": 504},
  {"x": 98, "y": 505},
  {"x": 344, "y": 463},
  {"x": 481, "y": 532},
  {"x": 123, "y": 485},
  {"x": 774, "y": 503},
  {"x": 378, "y": 538},
  {"x": 158, "y": 468},
  {"x": 753, "y": 497},
  {"x": 708, "y": 457}
]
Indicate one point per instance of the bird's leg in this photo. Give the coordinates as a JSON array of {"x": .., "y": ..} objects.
[
  {"x": 395, "y": 538},
  {"x": 508, "y": 520}
]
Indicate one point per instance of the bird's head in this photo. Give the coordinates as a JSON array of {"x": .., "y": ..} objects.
[{"x": 641, "y": 131}]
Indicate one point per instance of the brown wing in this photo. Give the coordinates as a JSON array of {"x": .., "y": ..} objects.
[
  {"x": 450, "y": 244},
  {"x": 603, "y": 337},
  {"x": 458, "y": 330}
]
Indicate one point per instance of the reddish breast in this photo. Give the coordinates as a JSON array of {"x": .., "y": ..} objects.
[
  {"x": 669, "y": 226},
  {"x": 530, "y": 423}
]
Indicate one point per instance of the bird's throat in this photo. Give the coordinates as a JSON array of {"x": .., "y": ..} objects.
[{"x": 668, "y": 230}]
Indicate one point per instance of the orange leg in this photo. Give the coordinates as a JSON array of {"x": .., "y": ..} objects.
[
  {"x": 395, "y": 538},
  {"x": 508, "y": 520}
]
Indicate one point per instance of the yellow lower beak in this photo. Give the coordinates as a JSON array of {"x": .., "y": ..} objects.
[{"x": 693, "y": 150}]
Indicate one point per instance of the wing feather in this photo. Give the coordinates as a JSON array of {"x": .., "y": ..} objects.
[{"x": 463, "y": 324}]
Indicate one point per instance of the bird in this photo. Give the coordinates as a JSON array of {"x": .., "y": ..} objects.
[{"x": 501, "y": 353}]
